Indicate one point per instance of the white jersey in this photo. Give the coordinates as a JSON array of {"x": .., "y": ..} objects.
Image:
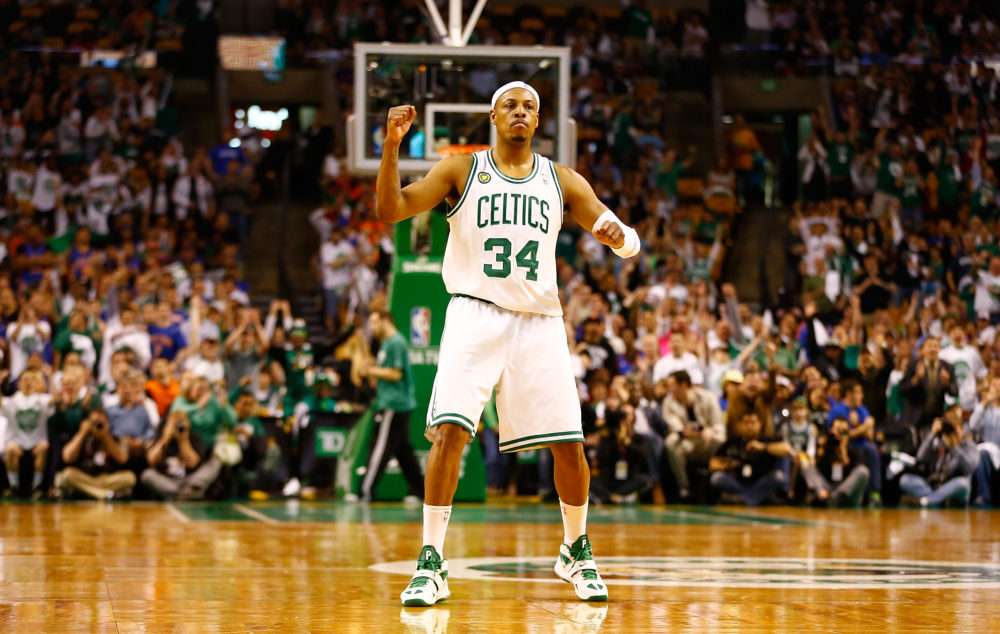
[
  {"x": 502, "y": 247},
  {"x": 968, "y": 369},
  {"x": 27, "y": 418}
]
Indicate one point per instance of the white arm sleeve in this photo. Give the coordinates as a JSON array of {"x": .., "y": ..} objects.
[{"x": 631, "y": 245}]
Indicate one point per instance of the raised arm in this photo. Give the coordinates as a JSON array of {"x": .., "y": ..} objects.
[{"x": 393, "y": 202}]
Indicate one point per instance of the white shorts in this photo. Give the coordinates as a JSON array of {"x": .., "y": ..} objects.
[{"x": 523, "y": 355}]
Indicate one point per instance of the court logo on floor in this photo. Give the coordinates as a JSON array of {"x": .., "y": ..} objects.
[{"x": 734, "y": 572}]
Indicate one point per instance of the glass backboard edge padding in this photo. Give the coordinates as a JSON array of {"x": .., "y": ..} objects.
[{"x": 356, "y": 135}]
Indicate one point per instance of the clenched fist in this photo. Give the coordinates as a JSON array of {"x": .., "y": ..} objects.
[
  {"x": 610, "y": 234},
  {"x": 398, "y": 123}
]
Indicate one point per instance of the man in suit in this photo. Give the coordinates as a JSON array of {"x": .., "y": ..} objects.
[{"x": 926, "y": 383}]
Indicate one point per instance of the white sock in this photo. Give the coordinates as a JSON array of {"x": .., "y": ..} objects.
[
  {"x": 13, "y": 478},
  {"x": 36, "y": 480},
  {"x": 435, "y": 526},
  {"x": 574, "y": 521}
]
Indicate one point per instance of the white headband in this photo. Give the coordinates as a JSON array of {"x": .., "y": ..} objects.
[{"x": 514, "y": 84}]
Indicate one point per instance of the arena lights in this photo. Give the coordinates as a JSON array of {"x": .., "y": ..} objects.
[{"x": 260, "y": 119}]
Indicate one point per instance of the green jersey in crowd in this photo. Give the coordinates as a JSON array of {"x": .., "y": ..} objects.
[
  {"x": 888, "y": 169},
  {"x": 396, "y": 395}
]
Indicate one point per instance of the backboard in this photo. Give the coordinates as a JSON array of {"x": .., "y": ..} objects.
[{"x": 451, "y": 89}]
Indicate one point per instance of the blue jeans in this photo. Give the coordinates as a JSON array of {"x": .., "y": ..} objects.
[
  {"x": 874, "y": 463},
  {"x": 495, "y": 462},
  {"x": 753, "y": 493},
  {"x": 983, "y": 477},
  {"x": 956, "y": 488}
]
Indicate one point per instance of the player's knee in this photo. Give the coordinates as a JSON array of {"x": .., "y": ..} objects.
[
  {"x": 452, "y": 436},
  {"x": 567, "y": 451},
  {"x": 41, "y": 448}
]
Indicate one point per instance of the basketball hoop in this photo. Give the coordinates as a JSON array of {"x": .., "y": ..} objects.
[{"x": 453, "y": 150}]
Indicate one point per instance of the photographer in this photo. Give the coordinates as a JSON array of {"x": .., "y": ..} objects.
[
  {"x": 179, "y": 465},
  {"x": 622, "y": 459},
  {"x": 746, "y": 465},
  {"x": 95, "y": 460},
  {"x": 950, "y": 458},
  {"x": 842, "y": 467}
]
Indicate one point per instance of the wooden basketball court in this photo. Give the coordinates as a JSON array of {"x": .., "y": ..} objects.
[{"x": 336, "y": 567}]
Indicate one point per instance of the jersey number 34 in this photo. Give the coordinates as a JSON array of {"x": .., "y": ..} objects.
[{"x": 526, "y": 258}]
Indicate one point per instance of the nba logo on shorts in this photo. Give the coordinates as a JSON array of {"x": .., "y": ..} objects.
[{"x": 420, "y": 327}]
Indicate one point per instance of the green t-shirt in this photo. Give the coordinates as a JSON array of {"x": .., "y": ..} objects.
[
  {"x": 65, "y": 421},
  {"x": 72, "y": 341},
  {"x": 666, "y": 180},
  {"x": 396, "y": 395},
  {"x": 620, "y": 131},
  {"x": 296, "y": 364},
  {"x": 839, "y": 158},
  {"x": 208, "y": 421},
  {"x": 813, "y": 283},
  {"x": 888, "y": 169},
  {"x": 637, "y": 22},
  {"x": 948, "y": 185},
  {"x": 258, "y": 426},
  {"x": 909, "y": 195},
  {"x": 851, "y": 355},
  {"x": 984, "y": 201},
  {"x": 784, "y": 357}
]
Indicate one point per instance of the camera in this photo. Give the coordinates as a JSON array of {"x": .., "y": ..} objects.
[
  {"x": 181, "y": 428},
  {"x": 98, "y": 425},
  {"x": 947, "y": 428}
]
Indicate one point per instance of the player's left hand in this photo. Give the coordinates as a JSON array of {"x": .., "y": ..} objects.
[{"x": 610, "y": 234}]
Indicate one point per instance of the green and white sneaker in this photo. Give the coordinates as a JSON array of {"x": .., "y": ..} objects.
[
  {"x": 576, "y": 565},
  {"x": 429, "y": 584}
]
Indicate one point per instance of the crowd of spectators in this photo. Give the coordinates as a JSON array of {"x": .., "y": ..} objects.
[
  {"x": 875, "y": 370},
  {"x": 849, "y": 38},
  {"x": 132, "y": 343},
  {"x": 134, "y": 359}
]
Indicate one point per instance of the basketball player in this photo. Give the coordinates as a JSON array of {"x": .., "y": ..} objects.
[{"x": 504, "y": 324}]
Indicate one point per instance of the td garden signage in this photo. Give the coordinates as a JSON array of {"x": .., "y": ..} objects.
[{"x": 734, "y": 572}]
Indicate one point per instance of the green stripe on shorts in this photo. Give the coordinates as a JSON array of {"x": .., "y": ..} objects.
[
  {"x": 542, "y": 439},
  {"x": 458, "y": 419}
]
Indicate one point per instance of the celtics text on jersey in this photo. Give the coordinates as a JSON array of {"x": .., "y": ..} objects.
[{"x": 502, "y": 244}]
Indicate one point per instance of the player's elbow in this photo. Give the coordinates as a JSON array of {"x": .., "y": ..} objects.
[{"x": 385, "y": 211}]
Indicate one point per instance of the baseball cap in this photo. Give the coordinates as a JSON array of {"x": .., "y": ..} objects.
[
  {"x": 299, "y": 328},
  {"x": 732, "y": 376},
  {"x": 785, "y": 381}
]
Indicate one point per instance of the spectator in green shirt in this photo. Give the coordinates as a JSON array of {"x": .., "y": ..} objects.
[
  {"x": 74, "y": 336},
  {"x": 394, "y": 401},
  {"x": 984, "y": 199},
  {"x": 208, "y": 417},
  {"x": 890, "y": 171},
  {"x": 911, "y": 197},
  {"x": 298, "y": 361},
  {"x": 670, "y": 169},
  {"x": 949, "y": 178}
]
